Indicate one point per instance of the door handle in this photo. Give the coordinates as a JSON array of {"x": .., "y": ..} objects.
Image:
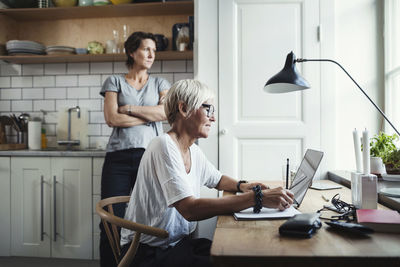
[
  {"x": 42, "y": 233},
  {"x": 223, "y": 132},
  {"x": 54, "y": 209}
]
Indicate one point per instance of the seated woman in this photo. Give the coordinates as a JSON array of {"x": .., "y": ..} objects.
[{"x": 171, "y": 172}]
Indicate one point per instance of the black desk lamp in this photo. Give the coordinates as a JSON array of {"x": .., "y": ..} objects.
[{"x": 289, "y": 80}]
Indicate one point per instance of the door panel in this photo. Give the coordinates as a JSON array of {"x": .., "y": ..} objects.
[
  {"x": 258, "y": 131},
  {"x": 26, "y": 208},
  {"x": 73, "y": 201}
]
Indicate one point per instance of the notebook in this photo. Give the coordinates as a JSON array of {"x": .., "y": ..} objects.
[
  {"x": 300, "y": 184},
  {"x": 380, "y": 220}
]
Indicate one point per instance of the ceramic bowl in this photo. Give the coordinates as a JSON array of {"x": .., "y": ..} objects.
[{"x": 65, "y": 3}]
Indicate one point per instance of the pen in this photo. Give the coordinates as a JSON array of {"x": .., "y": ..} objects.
[
  {"x": 325, "y": 198},
  {"x": 287, "y": 173}
]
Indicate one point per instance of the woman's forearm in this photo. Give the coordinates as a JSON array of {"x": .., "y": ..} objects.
[
  {"x": 148, "y": 113},
  {"x": 195, "y": 209},
  {"x": 122, "y": 120}
]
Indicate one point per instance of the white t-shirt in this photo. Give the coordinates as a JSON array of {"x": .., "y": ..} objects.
[{"x": 161, "y": 181}]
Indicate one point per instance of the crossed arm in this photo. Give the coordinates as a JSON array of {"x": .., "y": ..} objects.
[
  {"x": 129, "y": 115},
  {"x": 194, "y": 209}
]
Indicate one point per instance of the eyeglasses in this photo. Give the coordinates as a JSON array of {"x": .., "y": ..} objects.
[{"x": 210, "y": 109}]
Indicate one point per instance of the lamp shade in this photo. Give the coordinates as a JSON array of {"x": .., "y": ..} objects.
[{"x": 288, "y": 79}]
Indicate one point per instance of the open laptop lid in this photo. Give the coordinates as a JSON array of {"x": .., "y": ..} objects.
[{"x": 304, "y": 175}]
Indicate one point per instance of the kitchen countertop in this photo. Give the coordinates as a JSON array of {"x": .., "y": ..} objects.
[
  {"x": 344, "y": 178},
  {"x": 54, "y": 153}
]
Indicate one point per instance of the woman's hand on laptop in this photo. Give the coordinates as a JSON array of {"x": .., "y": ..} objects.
[{"x": 277, "y": 198}]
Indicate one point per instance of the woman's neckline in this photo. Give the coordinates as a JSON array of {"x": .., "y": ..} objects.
[{"x": 127, "y": 82}]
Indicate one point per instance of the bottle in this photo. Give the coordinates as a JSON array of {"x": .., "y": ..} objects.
[{"x": 44, "y": 139}]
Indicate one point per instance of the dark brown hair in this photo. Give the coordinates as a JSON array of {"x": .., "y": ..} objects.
[{"x": 133, "y": 43}]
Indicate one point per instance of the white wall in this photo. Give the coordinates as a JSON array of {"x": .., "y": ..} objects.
[{"x": 359, "y": 49}]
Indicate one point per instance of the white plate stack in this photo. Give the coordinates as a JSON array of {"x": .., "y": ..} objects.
[
  {"x": 60, "y": 50},
  {"x": 18, "y": 47}
]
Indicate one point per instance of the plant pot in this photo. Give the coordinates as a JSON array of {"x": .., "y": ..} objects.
[
  {"x": 377, "y": 166},
  {"x": 391, "y": 170}
]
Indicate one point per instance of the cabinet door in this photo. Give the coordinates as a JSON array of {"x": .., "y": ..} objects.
[
  {"x": 30, "y": 207},
  {"x": 71, "y": 205},
  {"x": 5, "y": 175}
]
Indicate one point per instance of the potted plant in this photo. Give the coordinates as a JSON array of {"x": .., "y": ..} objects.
[
  {"x": 381, "y": 146},
  {"x": 392, "y": 162}
]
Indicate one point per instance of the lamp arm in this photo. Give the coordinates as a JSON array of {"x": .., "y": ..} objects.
[{"x": 300, "y": 60}]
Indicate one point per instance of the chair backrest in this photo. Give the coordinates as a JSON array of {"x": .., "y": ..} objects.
[{"x": 109, "y": 219}]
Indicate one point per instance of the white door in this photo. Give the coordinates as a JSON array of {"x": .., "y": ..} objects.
[
  {"x": 72, "y": 207},
  {"x": 30, "y": 206},
  {"x": 258, "y": 131}
]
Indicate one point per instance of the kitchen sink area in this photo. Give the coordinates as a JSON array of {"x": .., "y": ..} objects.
[{"x": 56, "y": 152}]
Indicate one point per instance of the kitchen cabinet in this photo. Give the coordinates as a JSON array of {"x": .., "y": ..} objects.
[
  {"x": 51, "y": 200},
  {"x": 5, "y": 179},
  {"x": 76, "y": 26},
  {"x": 97, "y": 169}
]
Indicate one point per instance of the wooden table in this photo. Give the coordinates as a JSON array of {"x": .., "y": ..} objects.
[{"x": 258, "y": 243}]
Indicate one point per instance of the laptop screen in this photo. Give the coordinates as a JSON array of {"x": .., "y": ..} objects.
[{"x": 305, "y": 173}]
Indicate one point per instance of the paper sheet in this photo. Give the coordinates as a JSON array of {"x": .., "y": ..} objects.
[{"x": 265, "y": 213}]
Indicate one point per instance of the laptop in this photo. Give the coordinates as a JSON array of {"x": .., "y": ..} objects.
[
  {"x": 304, "y": 175},
  {"x": 301, "y": 181}
]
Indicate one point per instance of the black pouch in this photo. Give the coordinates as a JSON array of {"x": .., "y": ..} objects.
[{"x": 301, "y": 225}]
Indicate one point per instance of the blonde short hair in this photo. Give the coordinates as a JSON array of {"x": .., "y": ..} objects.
[{"x": 191, "y": 92}]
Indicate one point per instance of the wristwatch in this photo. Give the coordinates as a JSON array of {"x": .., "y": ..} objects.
[{"x": 238, "y": 185}]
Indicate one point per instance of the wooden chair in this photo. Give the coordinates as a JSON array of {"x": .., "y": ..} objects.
[{"x": 109, "y": 219}]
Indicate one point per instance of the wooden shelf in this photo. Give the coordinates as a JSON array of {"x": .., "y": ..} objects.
[
  {"x": 123, "y": 10},
  {"x": 163, "y": 55}
]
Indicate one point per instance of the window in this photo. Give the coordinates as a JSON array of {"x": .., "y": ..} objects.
[{"x": 392, "y": 63}]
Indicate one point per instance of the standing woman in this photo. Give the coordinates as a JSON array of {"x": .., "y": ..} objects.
[{"x": 133, "y": 106}]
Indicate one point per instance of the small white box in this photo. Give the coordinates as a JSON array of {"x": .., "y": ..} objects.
[{"x": 364, "y": 190}]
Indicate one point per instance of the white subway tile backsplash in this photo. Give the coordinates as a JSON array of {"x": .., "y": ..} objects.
[
  {"x": 96, "y": 117},
  {"x": 89, "y": 80},
  {"x": 174, "y": 66},
  {"x": 66, "y": 80},
  {"x": 50, "y": 129},
  {"x": 156, "y": 67},
  {"x": 21, "y": 105},
  {"x": 54, "y": 69},
  {"x": 63, "y": 104},
  {"x": 5, "y": 82},
  {"x": 94, "y": 129},
  {"x": 5, "y": 105},
  {"x": 78, "y": 92},
  {"x": 44, "y": 81},
  {"x": 94, "y": 92},
  {"x": 55, "y": 93},
  {"x": 21, "y": 81},
  {"x": 78, "y": 68},
  {"x": 168, "y": 76},
  {"x": 92, "y": 105},
  {"x": 182, "y": 76},
  {"x": 106, "y": 130},
  {"x": 10, "y": 70},
  {"x": 32, "y": 69},
  {"x": 120, "y": 67},
  {"x": 32, "y": 93},
  {"x": 101, "y": 67},
  {"x": 57, "y": 87},
  {"x": 14, "y": 93},
  {"x": 47, "y": 105},
  {"x": 51, "y": 117}
]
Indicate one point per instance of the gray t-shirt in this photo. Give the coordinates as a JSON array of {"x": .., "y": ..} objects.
[{"x": 136, "y": 136}]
